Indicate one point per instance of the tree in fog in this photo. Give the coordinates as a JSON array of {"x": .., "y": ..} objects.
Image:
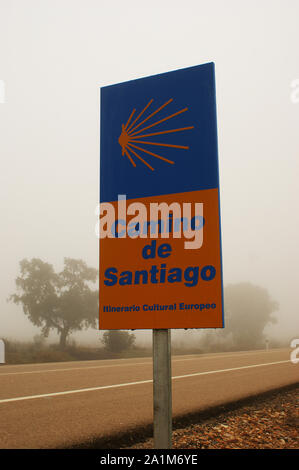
[
  {"x": 63, "y": 302},
  {"x": 117, "y": 341},
  {"x": 248, "y": 310}
]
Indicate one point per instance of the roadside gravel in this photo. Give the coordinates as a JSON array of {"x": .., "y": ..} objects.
[{"x": 264, "y": 423}]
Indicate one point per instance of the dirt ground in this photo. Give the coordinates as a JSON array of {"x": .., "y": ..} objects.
[{"x": 266, "y": 423}]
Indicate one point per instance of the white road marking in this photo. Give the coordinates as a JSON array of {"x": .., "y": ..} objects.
[
  {"x": 72, "y": 368},
  {"x": 105, "y": 387},
  {"x": 193, "y": 358}
]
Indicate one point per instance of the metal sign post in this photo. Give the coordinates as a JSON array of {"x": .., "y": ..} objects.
[{"x": 162, "y": 389}]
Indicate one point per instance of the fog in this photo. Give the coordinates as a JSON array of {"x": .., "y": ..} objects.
[{"x": 55, "y": 55}]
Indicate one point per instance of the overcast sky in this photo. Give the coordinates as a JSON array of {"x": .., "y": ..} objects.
[{"x": 54, "y": 56}]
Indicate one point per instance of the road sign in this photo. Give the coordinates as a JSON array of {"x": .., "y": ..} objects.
[{"x": 160, "y": 248}]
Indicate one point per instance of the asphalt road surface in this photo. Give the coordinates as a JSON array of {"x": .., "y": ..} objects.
[{"x": 62, "y": 404}]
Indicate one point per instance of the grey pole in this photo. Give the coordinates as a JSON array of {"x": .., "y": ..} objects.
[
  {"x": 162, "y": 389},
  {"x": 2, "y": 351}
]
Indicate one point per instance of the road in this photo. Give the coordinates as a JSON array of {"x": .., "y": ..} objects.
[{"x": 61, "y": 404}]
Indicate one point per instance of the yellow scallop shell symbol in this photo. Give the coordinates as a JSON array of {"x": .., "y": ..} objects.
[{"x": 131, "y": 135}]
